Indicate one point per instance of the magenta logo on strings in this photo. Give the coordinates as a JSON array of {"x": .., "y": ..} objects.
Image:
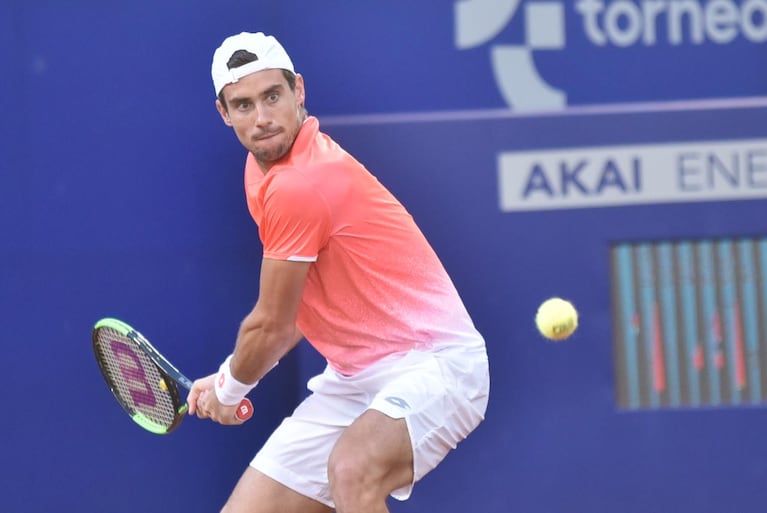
[
  {"x": 619, "y": 24},
  {"x": 133, "y": 374}
]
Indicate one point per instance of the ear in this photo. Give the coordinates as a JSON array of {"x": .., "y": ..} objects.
[
  {"x": 224, "y": 113},
  {"x": 300, "y": 91}
]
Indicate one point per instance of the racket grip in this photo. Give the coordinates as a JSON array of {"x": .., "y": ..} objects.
[{"x": 244, "y": 410}]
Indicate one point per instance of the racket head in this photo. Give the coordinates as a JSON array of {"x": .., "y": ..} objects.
[{"x": 146, "y": 391}]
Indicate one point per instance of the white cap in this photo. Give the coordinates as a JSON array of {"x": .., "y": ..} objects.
[{"x": 270, "y": 53}]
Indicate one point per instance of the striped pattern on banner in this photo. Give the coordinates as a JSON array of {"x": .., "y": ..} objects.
[{"x": 690, "y": 322}]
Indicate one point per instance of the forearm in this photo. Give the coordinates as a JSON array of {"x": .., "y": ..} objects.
[
  {"x": 260, "y": 345},
  {"x": 269, "y": 331}
]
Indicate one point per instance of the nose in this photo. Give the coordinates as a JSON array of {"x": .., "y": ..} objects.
[{"x": 262, "y": 118}]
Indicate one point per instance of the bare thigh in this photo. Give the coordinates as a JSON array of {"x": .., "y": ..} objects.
[
  {"x": 374, "y": 451},
  {"x": 257, "y": 493}
]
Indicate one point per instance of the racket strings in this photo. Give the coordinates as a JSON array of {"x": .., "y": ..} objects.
[{"x": 134, "y": 378}]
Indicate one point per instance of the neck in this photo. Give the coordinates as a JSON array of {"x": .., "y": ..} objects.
[{"x": 263, "y": 166}]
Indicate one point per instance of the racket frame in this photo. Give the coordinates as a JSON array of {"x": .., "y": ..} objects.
[{"x": 169, "y": 373}]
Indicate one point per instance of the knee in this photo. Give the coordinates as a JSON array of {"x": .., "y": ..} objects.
[
  {"x": 349, "y": 475},
  {"x": 344, "y": 470}
]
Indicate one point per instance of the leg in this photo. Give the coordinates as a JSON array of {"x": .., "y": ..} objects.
[
  {"x": 257, "y": 493},
  {"x": 372, "y": 458}
]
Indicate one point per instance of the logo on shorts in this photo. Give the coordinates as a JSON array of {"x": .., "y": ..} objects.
[{"x": 398, "y": 402}]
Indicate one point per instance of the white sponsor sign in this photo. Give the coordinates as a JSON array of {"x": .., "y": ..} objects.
[{"x": 628, "y": 175}]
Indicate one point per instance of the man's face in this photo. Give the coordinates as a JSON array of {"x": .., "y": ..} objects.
[{"x": 265, "y": 114}]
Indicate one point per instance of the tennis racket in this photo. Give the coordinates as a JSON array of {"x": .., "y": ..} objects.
[{"x": 142, "y": 380}]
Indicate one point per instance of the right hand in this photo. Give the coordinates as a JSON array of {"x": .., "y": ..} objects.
[{"x": 200, "y": 388}]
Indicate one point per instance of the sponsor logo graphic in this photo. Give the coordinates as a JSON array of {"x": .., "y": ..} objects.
[
  {"x": 480, "y": 21},
  {"x": 619, "y": 24},
  {"x": 398, "y": 402},
  {"x": 641, "y": 174},
  {"x": 133, "y": 375}
]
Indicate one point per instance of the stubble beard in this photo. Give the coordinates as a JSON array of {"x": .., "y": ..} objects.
[{"x": 268, "y": 157}]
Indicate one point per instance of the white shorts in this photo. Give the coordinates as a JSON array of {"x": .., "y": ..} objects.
[{"x": 442, "y": 395}]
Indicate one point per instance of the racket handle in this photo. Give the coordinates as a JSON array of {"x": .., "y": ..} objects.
[{"x": 244, "y": 410}]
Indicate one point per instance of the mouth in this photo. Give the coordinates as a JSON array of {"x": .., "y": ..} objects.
[{"x": 266, "y": 136}]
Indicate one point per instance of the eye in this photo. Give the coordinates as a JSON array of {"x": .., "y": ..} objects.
[
  {"x": 272, "y": 98},
  {"x": 244, "y": 106}
]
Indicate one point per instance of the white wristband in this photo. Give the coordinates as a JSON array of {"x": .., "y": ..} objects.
[{"x": 229, "y": 391}]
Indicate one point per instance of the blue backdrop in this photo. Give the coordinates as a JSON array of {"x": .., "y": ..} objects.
[{"x": 122, "y": 196}]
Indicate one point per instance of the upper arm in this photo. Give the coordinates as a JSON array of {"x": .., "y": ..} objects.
[{"x": 279, "y": 297}]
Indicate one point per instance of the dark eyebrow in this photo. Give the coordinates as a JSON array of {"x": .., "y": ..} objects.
[
  {"x": 276, "y": 88},
  {"x": 238, "y": 100}
]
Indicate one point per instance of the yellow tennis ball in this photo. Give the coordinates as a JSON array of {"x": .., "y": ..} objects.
[
  {"x": 163, "y": 385},
  {"x": 556, "y": 318}
]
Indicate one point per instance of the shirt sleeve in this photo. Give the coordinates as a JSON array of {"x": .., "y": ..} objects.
[{"x": 296, "y": 221}]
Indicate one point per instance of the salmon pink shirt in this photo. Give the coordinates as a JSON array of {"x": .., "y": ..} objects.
[{"x": 375, "y": 287}]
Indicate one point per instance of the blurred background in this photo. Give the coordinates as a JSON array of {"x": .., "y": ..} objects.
[{"x": 610, "y": 152}]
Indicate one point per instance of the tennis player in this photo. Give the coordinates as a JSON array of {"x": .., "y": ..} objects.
[{"x": 345, "y": 267}]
